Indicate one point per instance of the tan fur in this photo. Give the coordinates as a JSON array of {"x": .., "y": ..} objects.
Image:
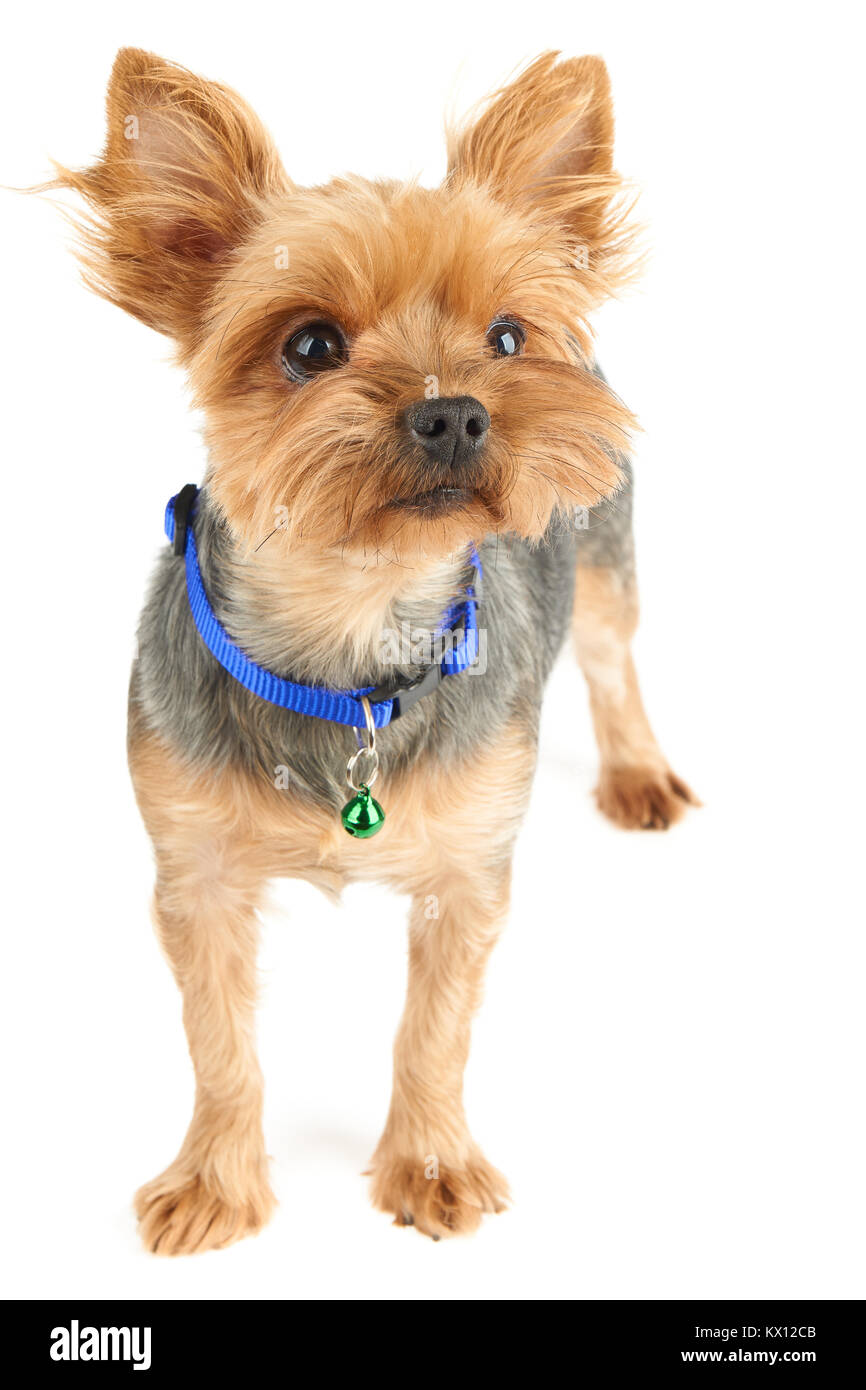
[
  {"x": 173, "y": 192},
  {"x": 636, "y": 788},
  {"x": 332, "y": 598},
  {"x": 217, "y": 841},
  {"x": 186, "y": 229},
  {"x": 547, "y": 139}
]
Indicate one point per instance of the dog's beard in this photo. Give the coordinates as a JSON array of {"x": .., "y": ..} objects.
[{"x": 336, "y": 470}]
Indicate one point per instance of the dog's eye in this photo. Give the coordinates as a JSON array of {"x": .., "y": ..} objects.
[
  {"x": 316, "y": 348},
  {"x": 506, "y": 338}
]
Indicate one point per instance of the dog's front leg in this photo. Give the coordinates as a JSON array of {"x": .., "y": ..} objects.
[
  {"x": 217, "y": 1189},
  {"x": 427, "y": 1170}
]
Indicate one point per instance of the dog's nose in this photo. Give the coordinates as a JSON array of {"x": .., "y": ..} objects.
[{"x": 450, "y": 428}]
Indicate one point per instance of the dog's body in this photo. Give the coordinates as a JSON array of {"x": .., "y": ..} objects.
[
  {"x": 181, "y": 693},
  {"x": 234, "y": 790}
]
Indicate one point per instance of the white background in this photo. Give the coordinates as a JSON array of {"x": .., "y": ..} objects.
[{"x": 669, "y": 1062}]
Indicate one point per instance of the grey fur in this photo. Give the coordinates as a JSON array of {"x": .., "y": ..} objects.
[
  {"x": 608, "y": 539},
  {"x": 180, "y": 692}
]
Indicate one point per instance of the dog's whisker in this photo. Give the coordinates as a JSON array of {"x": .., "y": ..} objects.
[{"x": 267, "y": 538}]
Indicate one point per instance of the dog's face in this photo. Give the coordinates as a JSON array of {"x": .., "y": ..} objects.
[{"x": 382, "y": 368}]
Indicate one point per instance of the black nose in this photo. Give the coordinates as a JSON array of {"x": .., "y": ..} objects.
[{"x": 450, "y": 428}]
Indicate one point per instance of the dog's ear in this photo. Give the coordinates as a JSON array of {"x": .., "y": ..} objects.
[
  {"x": 546, "y": 141},
  {"x": 183, "y": 179}
]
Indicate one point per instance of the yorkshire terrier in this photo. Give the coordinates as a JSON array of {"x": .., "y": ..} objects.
[{"x": 417, "y": 474}]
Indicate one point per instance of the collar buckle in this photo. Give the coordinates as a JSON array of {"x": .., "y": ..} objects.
[
  {"x": 181, "y": 508},
  {"x": 405, "y": 691}
]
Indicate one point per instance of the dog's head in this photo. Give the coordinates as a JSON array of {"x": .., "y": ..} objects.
[{"x": 382, "y": 367}]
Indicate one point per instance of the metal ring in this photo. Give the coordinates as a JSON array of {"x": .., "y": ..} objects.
[
  {"x": 364, "y": 750},
  {"x": 371, "y": 727},
  {"x": 356, "y": 783}
]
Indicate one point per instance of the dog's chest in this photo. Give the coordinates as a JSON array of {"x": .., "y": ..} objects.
[{"x": 432, "y": 818}]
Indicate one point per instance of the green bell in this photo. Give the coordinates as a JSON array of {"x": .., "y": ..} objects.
[{"x": 362, "y": 816}]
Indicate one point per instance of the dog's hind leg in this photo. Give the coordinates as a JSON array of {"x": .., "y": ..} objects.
[
  {"x": 636, "y": 787},
  {"x": 207, "y": 892}
]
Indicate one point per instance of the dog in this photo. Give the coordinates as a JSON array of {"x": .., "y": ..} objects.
[{"x": 407, "y": 433}]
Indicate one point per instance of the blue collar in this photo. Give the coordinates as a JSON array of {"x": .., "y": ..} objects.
[{"x": 387, "y": 701}]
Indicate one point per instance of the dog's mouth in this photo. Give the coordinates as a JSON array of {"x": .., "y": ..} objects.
[{"x": 437, "y": 502}]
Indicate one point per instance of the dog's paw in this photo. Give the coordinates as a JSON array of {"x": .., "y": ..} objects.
[
  {"x": 643, "y": 798},
  {"x": 448, "y": 1202},
  {"x": 181, "y": 1215}
]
